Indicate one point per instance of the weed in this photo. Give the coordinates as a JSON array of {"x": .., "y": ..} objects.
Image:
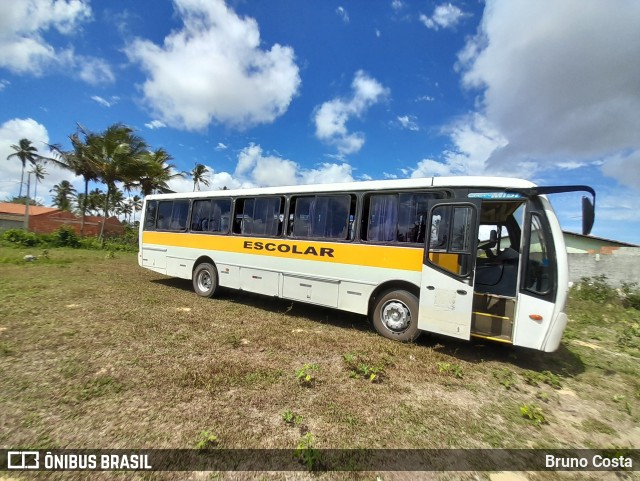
[
  {"x": 307, "y": 453},
  {"x": 361, "y": 368},
  {"x": 595, "y": 289},
  {"x": 631, "y": 295},
  {"x": 304, "y": 374},
  {"x": 533, "y": 413},
  {"x": 207, "y": 440},
  {"x": 630, "y": 335},
  {"x": 506, "y": 377},
  {"x": 233, "y": 340},
  {"x": 291, "y": 418},
  {"x": 545, "y": 377},
  {"x": 99, "y": 386},
  {"x": 450, "y": 368},
  {"x": 543, "y": 396},
  {"x": 5, "y": 350}
]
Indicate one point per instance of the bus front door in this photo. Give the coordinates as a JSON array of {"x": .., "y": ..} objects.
[{"x": 446, "y": 291}]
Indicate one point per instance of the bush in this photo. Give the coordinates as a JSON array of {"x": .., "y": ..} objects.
[
  {"x": 65, "y": 236},
  {"x": 595, "y": 289},
  {"x": 21, "y": 237},
  {"x": 631, "y": 294}
]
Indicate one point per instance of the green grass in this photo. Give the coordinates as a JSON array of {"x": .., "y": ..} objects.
[{"x": 96, "y": 352}]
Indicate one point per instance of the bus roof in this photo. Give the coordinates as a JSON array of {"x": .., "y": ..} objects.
[{"x": 423, "y": 182}]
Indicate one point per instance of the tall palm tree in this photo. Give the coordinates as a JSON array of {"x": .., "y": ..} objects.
[
  {"x": 39, "y": 172},
  {"x": 63, "y": 193},
  {"x": 117, "y": 201},
  {"x": 26, "y": 153},
  {"x": 200, "y": 176},
  {"x": 80, "y": 163},
  {"x": 157, "y": 172},
  {"x": 116, "y": 154},
  {"x": 136, "y": 205}
]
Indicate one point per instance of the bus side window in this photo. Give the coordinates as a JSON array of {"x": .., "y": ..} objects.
[
  {"x": 537, "y": 275},
  {"x": 322, "y": 216},
  {"x": 451, "y": 239},
  {"x": 383, "y": 218},
  {"x": 200, "y": 215},
  {"x": 164, "y": 214},
  {"x": 179, "y": 215},
  {"x": 150, "y": 215},
  {"x": 218, "y": 221},
  {"x": 397, "y": 217},
  {"x": 260, "y": 216}
]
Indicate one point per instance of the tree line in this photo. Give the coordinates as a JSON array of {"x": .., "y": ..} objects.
[{"x": 116, "y": 157}]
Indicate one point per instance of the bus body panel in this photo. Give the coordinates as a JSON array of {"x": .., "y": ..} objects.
[{"x": 316, "y": 279}]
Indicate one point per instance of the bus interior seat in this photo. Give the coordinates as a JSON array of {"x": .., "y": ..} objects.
[{"x": 500, "y": 275}]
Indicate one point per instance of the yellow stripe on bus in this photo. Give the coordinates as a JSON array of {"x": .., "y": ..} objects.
[{"x": 405, "y": 258}]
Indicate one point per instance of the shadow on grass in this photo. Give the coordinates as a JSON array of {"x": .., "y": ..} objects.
[
  {"x": 320, "y": 314},
  {"x": 562, "y": 362}
]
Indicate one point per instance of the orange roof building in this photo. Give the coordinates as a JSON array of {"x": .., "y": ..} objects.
[{"x": 44, "y": 220}]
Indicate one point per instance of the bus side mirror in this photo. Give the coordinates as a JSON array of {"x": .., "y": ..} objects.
[{"x": 588, "y": 215}]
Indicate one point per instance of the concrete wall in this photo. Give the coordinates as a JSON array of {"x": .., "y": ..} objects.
[{"x": 618, "y": 265}]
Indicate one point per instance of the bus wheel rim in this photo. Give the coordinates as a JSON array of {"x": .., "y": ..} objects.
[
  {"x": 396, "y": 316},
  {"x": 204, "y": 281}
]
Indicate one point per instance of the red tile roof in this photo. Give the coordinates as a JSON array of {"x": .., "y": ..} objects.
[{"x": 18, "y": 209}]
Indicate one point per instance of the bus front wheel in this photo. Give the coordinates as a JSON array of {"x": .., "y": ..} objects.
[
  {"x": 205, "y": 279},
  {"x": 395, "y": 315}
]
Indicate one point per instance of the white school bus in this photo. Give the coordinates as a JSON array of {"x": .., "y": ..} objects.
[{"x": 458, "y": 256}]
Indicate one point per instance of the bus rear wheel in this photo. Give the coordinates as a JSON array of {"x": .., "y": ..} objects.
[
  {"x": 205, "y": 279},
  {"x": 395, "y": 315}
]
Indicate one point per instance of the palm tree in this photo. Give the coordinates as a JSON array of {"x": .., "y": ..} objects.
[
  {"x": 200, "y": 176},
  {"x": 116, "y": 154},
  {"x": 136, "y": 205},
  {"x": 25, "y": 152},
  {"x": 39, "y": 173},
  {"x": 157, "y": 172},
  {"x": 117, "y": 201},
  {"x": 92, "y": 203},
  {"x": 63, "y": 193},
  {"x": 79, "y": 162}
]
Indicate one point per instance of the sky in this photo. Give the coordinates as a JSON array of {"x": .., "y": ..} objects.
[{"x": 284, "y": 92}]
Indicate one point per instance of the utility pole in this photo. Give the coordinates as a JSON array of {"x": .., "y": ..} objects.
[{"x": 26, "y": 207}]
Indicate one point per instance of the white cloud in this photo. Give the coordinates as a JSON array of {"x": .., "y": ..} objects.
[
  {"x": 331, "y": 117},
  {"x": 11, "y": 132},
  {"x": 474, "y": 140},
  {"x": 214, "y": 69},
  {"x": 255, "y": 168},
  {"x": 343, "y": 14},
  {"x": 397, "y": 4},
  {"x": 559, "y": 81},
  {"x": 4, "y": 83},
  {"x": 93, "y": 70},
  {"x": 104, "y": 102},
  {"x": 624, "y": 167},
  {"x": 408, "y": 122},
  {"x": 445, "y": 15},
  {"x": 25, "y": 49},
  {"x": 155, "y": 124}
]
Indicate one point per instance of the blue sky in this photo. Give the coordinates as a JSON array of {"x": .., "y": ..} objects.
[{"x": 299, "y": 91}]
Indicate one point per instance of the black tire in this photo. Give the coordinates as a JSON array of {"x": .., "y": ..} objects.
[
  {"x": 395, "y": 315},
  {"x": 205, "y": 279}
]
